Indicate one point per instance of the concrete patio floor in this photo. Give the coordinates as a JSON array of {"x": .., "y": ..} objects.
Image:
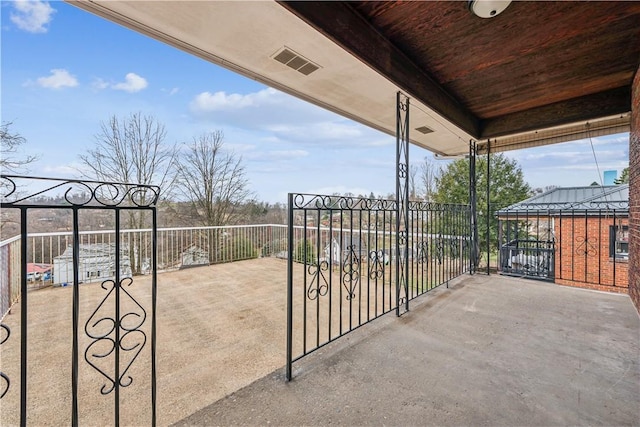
[{"x": 487, "y": 351}]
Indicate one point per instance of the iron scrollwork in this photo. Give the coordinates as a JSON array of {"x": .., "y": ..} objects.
[
  {"x": 454, "y": 246},
  {"x": 423, "y": 252},
  {"x": 402, "y": 238},
  {"x": 324, "y": 202},
  {"x": 440, "y": 248},
  {"x": 351, "y": 272},
  {"x": 376, "y": 267},
  {"x": 5, "y": 379},
  {"x": 319, "y": 285},
  {"x": 103, "y": 332},
  {"x": 587, "y": 246},
  {"x": 80, "y": 192}
]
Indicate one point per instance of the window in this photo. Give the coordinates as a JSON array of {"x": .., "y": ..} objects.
[{"x": 619, "y": 241}]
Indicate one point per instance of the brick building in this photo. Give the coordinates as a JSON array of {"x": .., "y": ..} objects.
[{"x": 577, "y": 236}]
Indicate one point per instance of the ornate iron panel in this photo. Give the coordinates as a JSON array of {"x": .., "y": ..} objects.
[
  {"x": 343, "y": 257},
  {"x": 118, "y": 328}
]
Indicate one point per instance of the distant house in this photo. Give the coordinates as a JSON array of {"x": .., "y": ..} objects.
[
  {"x": 37, "y": 271},
  {"x": 194, "y": 256},
  {"x": 341, "y": 248},
  {"x": 576, "y": 236},
  {"x": 97, "y": 262}
]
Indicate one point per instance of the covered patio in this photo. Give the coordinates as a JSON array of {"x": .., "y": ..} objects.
[
  {"x": 456, "y": 78},
  {"x": 487, "y": 351}
]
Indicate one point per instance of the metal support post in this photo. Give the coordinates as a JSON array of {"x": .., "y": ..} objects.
[
  {"x": 402, "y": 199},
  {"x": 488, "y": 219},
  {"x": 473, "y": 201}
]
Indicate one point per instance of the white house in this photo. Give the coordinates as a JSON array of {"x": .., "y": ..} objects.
[
  {"x": 194, "y": 256},
  {"x": 97, "y": 262},
  {"x": 350, "y": 244}
]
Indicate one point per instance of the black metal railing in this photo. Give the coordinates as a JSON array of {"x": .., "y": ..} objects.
[
  {"x": 530, "y": 258},
  {"x": 342, "y": 262},
  {"x": 111, "y": 335},
  {"x": 580, "y": 247}
]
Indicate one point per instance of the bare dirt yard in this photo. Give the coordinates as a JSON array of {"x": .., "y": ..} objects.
[{"x": 219, "y": 328}]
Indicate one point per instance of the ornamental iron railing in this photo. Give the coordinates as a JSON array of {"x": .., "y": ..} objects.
[
  {"x": 344, "y": 252},
  {"x": 112, "y": 334},
  {"x": 578, "y": 247}
]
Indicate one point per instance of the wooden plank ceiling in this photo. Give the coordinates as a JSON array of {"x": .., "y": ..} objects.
[{"x": 534, "y": 66}]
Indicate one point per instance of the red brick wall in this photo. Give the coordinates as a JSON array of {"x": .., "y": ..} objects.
[
  {"x": 582, "y": 254},
  {"x": 634, "y": 194}
]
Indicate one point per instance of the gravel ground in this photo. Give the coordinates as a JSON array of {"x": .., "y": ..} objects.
[{"x": 219, "y": 328}]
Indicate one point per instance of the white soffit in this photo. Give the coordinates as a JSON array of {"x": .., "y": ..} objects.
[{"x": 245, "y": 36}]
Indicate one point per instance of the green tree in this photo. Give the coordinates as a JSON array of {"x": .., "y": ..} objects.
[
  {"x": 305, "y": 253},
  {"x": 507, "y": 187},
  {"x": 624, "y": 177}
]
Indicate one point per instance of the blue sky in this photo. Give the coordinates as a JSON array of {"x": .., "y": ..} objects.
[{"x": 64, "y": 71}]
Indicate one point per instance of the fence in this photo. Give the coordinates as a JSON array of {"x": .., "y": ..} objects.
[
  {"x": 342, "y": 272},
  {"x": 177, "y": 248},
  {"x": 121, "y": 324},
  {"x": 577, "y": 247}
]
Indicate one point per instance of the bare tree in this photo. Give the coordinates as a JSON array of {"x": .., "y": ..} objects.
[
  {"x": 428, "y": 175},
  {"x": 132, "y": 150},
  {"x": 10, "y": 161},
  {"x": 413, "y": 171},
  {"x": 213, "y": 180}
]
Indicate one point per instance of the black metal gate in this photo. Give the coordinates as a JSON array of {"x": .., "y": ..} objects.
[{"x": 115, "y": 333}]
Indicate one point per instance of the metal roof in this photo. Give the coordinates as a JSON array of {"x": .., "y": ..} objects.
[{"x": 593, "y": 199}]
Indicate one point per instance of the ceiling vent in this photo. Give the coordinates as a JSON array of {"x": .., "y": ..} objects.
[
  {"x": 424, "y": 130},
  {"x": 291, "y": 59}
]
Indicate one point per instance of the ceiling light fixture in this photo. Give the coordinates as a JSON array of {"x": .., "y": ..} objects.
[{"x": 488, "y": 8}]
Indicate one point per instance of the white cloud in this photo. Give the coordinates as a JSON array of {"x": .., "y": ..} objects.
[
  {"x": 99, "y": 84},
  {"x": 257, "y": 109},
  {"x": 240, "y": 148},
  {"x": 207, "y": 102},
  {"x": 277, "y": 155},
  {"x": 601, "y": 140},
  {"x": 32, "y": 16},
  {"x": 284, "y": 119},
  {"x": 132, "y": 83},
  {"x": 171, "y": 91},
  {"x": 71, "y": 170},
  {"x": 340, "y": 189},
  {"x": 59, "y": 78}
]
